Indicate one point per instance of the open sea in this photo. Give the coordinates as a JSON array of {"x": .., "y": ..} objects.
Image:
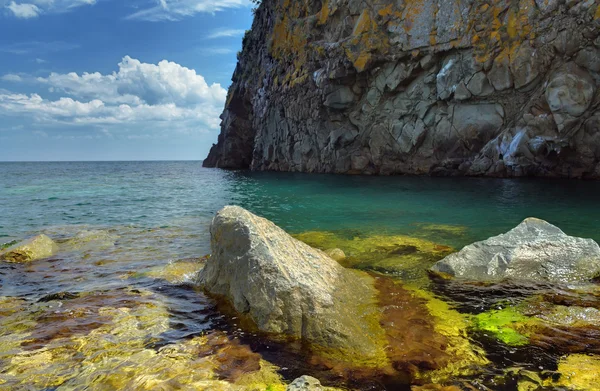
[{"x": 132, "y": 235}]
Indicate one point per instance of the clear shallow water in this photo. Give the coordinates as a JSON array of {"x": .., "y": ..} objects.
[
  {"x": 183, "y": 194},
  {"x": 136, "y": 221}
]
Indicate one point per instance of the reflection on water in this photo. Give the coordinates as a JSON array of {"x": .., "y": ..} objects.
[{"x": 116, "y": 308}]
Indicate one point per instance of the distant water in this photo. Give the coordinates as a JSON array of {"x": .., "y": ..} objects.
[
  {"x": 131, "y": 219},
  {"x": 34, "y": 196}
]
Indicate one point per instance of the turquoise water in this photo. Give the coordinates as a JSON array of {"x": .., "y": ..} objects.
[
  {"x": 34, "y": 196},
  {"x": 136, "y": 218}
]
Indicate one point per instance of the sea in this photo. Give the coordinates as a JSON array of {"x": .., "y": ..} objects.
[{"x": 132, "y": 236}]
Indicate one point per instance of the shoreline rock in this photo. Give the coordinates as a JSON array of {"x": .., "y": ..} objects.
[
  {"x": 350, "y": 322},
  {"x": 441, "y": 88},
  {"x": 38, "y": 247},
  {"x": 289, "y": 288},
  {"x": 534, "y": 250}
]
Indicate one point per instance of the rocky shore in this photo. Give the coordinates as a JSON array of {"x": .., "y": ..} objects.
[
  {"x": 375, "y": 325},
  {"x": 493, "y": 88}
]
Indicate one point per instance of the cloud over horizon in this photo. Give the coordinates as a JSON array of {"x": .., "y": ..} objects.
[{"x": 137, "y": 93}]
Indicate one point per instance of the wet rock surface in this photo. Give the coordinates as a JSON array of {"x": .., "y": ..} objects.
[
  {"x": 534, "y": 250},
  {"x": 38, "y": 247},
  {"x": 498, "y": 88}
]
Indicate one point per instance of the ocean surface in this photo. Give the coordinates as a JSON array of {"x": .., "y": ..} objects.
[{"x": 133, "y": 234}]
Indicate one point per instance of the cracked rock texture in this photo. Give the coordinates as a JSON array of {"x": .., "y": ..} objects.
[
  {"x": 439, "y": 87},
  {"x": 534, "y": 250}
]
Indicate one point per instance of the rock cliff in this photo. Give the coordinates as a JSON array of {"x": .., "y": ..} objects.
[{"x": 439, "y": 87}]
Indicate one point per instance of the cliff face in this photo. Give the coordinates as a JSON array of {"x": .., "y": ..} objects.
[{"x": 440, "y": 87}]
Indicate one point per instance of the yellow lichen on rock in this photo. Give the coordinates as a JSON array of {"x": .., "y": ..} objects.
[
  {"x": 367, "y": 39},
  {"x": 324, "y": 14}
]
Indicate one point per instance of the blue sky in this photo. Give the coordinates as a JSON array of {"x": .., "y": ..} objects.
[{"x": 114, "y": 79}]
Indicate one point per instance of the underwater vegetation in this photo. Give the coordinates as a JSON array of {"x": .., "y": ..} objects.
[
  {"x": 110, "y": 341},
  {"x": 404, "y": 257},
  {"x": 120, "y": 316}
]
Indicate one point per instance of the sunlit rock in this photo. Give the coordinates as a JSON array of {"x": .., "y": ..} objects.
[
  {"x": 336, "y": 254},
  {"x": 305, "y": 383},
  {"x": 534, "y": 250},
  {"x": 287, "y": 287},
  {"x": 38, "y": 247}
]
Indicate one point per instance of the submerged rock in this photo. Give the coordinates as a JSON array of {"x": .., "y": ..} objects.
[
  {"x": 399, "y": 255},
  {"x": 534, "y": 250},
  {"x": 287, "y": 287},
  {"x": 305, "y": 383},
  {"x": 336, "y": 254},
  {"x": 38, "y": 247},
  {"x": 177, "y": 272},
  {"x": 579, "y": 372}
]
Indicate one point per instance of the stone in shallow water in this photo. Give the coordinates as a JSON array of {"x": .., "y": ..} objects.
[
  {"x": 305, "y": 383},
  {"x": 534, "y": 250},
  {"x": 177, "y": 272},
  {"x": 38, "y": 247},
  {"x": 287, "y": 287}
]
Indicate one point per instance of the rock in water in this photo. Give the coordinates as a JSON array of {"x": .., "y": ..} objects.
[
  {"x": 305, "y": 383},
  {"x": 38, "y": 247},
  {"x": 287, "y": 287},
  {"x": 533, "y": 250}
]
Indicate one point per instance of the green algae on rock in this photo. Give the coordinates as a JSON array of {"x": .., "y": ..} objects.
[
  {"x": 466, "y": 357},
  {"x": 507, "y": 324},
  {"x": 32, "y": 249},
  {"x": 403, "y": 256}
]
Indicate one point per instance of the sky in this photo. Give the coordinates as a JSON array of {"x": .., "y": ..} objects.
[{"x": 115, "y": 79}]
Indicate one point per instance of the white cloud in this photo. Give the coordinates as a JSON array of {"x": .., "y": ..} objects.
[
  {"x": 37, "y": 47},
  {"x": 137, "y": 82},
  {"x": 172, "y": 10},
  {"x": 40, "y": 133},
  {"x": 11, "y": 78},
  {"x": 217, "y": 51},
  {"x": 138, "y": 93},
  {"x": 226, "y": 33},
  {"x": 24, "y": 11},
  {"x": 34, "y": 8},
  {"x": 40, "y": 61}
]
